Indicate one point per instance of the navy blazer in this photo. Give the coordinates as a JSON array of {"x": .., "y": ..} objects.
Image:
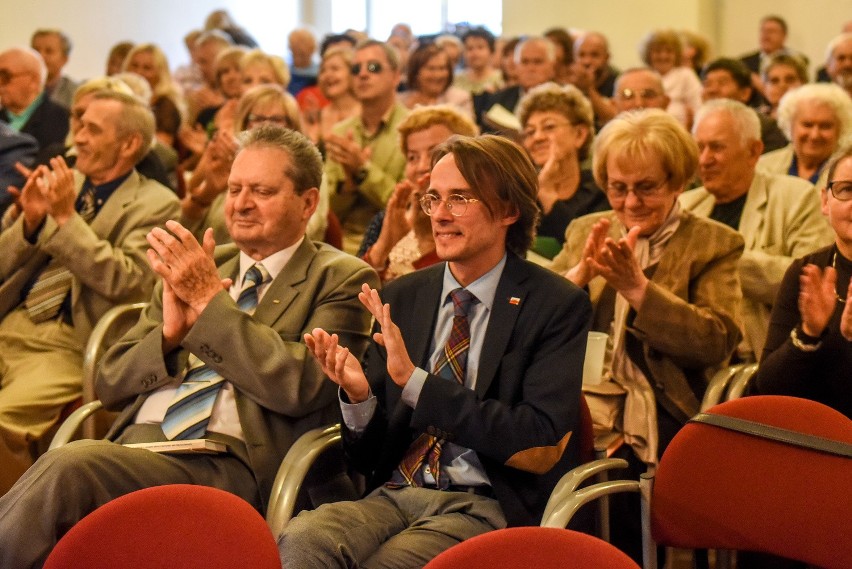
[{"x": 522, "y": 418}]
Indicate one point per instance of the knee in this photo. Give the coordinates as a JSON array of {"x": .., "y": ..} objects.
[
  {"x": 302, "y": 544},
  {"x": 75, "y": 457}
]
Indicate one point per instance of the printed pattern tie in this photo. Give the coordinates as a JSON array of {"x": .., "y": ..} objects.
[
  {"x": 45, "y": 298},
  {"x": 451, "y": 364},
  {"x": 189, "y": 412}
]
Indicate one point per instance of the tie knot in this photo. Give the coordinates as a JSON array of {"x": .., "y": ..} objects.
[
  {"x": 255, "y": 275},
  {"x": 462, "y": 301}
]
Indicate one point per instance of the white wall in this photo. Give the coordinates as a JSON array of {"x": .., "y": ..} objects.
[
  {"x": 95, "y": 25},
  {"x": 731, "y": 25}
]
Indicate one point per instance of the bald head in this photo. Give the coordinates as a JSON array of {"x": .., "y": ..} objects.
[
  {"x": 639, "y": 88},
  {"x": 22, "y": 77},
  {"x": 591, "y": 50}
]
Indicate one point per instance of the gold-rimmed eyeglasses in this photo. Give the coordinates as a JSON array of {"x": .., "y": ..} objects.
[{"x": 456, "y": 204}]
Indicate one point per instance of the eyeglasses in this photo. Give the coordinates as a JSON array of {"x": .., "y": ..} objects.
[
  {"x": 545, "y": 129},
  {"x": 283, "y": 120},
  {"x": 841, "y": 189},
  {"x": 617, "y": 191},
  {"x": 6, "y": 76},
  {"x": 456, "y": 204},
  {"x": 644, "y": 94},
  {"x": 373, "y": 67}
]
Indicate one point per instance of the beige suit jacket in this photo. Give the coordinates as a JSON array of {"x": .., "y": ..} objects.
[
  {"x": 778, "y": 162},
  {"x": 107, "y": 258},
  {"x": 280, "y": 390},
  {"x": 689, "y": 321},
  {"x": 781, "y": 221}
]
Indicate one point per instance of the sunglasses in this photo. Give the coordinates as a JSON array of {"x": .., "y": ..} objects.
[{"x": 373, "y": 67}]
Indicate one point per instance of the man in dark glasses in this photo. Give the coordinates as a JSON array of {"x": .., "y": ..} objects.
[{"x": 363, "y": 156}]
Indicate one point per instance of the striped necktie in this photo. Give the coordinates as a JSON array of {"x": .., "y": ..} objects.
[
  {"x": 189, "y": 412},
  {"x": 452, "y": 365},
  {"x": 44, "y": 300}
]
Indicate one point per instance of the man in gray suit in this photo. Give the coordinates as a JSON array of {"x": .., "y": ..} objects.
[
  {"x": 778, "y": 216},
  {"x": 89, "y": 224},
  {"x": 270, "y": 390}
]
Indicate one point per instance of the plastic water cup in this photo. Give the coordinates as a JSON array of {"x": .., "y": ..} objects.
[{"x": 595, "y": 352}]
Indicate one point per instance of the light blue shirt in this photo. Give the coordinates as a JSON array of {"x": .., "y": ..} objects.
[{"x": 460, "y": 464}]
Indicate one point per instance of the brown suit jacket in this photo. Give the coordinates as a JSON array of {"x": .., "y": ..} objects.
[{"x": 689, "y": 323}]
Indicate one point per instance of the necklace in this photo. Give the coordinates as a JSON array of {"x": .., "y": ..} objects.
[{"x": 834, "y": 266}]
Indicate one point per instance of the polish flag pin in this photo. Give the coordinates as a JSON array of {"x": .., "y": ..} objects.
[{"x": 514, "y": 301}]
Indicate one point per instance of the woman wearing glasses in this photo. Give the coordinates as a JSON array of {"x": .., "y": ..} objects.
[
  {"x": 808, "y": 350},
  {"x": 664, "y": 286},
  {"x": 558, "y": 128}
]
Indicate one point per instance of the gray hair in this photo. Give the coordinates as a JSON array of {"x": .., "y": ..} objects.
[
  {"x": 136, "y": 119},
  {"x": 549, "y": 48},
  {"x": 827, "y": 94},
  {"x": 836, "y": 41},
  {"x": 305, "y": 164},
  {"x": 746, "y": 123}
]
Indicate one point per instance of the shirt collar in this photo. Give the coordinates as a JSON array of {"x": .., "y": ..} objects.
[
  {"x": 104, "y": 191},
  {"x": 484, "y": 288},
  {"x": 274, "y": 263}
]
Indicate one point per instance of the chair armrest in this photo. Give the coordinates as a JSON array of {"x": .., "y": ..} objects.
[
  {"x": 66, "y": 432},
  {"x": 292, "y": 472},
  {"x": 718, "y": 386},
  {"x": 741, "y": 381},
  {"x": 561, "y": 513},
  {"x": 572, "y": 480}
]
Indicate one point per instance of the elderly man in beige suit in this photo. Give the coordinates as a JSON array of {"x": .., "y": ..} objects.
[
  {"x": 778, "y": 216},
  {"x": 84, "y": 231}
]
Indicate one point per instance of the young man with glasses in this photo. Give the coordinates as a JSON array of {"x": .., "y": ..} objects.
[
  {"x": 467, "y": 413},
  {"x": 363, "y": 157},
  {"x": 27, "y": 106}
]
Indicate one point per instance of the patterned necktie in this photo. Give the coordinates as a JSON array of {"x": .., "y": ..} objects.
[
  {"x": 45, "y": 298},
  {"x": 189, "y": 412},
  {"x": 451, "y": 364}
]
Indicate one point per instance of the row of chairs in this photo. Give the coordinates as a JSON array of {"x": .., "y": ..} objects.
[{"x": 705, "y": 467}]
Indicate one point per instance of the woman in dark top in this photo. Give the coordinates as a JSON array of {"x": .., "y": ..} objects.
[
  {"x": 808, "y": 351},
  {"x": 557, "y": 133}
]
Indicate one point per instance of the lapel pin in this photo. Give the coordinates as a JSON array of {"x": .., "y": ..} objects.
[
  {"x": 276, "y": 301},
  {"x": 514, "y": 301}
]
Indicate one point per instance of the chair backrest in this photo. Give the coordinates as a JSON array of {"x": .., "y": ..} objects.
[
  {"x": 716, "y": 488},
  {"x": 176, "y": 525},
  {"x": 542, "y": 548}
]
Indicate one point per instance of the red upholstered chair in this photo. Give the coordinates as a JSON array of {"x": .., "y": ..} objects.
[
  {"x": 177, "y": 525},
  {"x": 333, "y": 231},
  {"x": 721, "y": 489},
  {"x": 542, "y": 548}
]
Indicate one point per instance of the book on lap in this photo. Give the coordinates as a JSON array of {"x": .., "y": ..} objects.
[{"x": 203, "y": 446}]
